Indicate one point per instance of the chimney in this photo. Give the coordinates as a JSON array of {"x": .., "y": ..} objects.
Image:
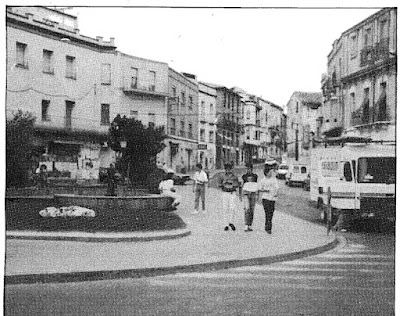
[
  {"x": 77, "y": 31},
  {"x": 112, "y": 41},
  {"x": 99, "y": 39}
]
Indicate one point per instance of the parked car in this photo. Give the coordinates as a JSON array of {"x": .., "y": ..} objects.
[
  {"x": 282, "y": 171},
  {"x": 181, "y": 178},
  {"x": 297, "y": 174}
]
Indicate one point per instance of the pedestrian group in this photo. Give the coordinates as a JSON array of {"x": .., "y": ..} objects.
[{"x": 231, "y": 189}]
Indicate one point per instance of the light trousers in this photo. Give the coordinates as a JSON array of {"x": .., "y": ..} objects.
[{"x": 229, "y": 200}]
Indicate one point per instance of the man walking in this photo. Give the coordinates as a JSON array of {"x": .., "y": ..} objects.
[
  {"x": 229, "y": 184},
  {"x": 250, "y": 194},
  {"x": 199, "y": 188}
]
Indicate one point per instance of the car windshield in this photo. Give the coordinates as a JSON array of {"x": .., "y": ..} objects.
[
  {"x": 377, "y": 170},
  {"x": 284, "y": 167}
]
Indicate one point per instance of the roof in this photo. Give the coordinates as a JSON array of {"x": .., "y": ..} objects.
[{"x": 308, "y": 97}]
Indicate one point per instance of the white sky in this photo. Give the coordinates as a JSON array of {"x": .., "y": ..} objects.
[{"x": 268, "y": 52}]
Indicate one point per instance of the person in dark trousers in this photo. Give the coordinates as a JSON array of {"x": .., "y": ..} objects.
[
  {"x": 250, "y": 195},
  {"x": 268, "y": 188},
  {"x": 111, "y": 181},
  {"x": 229, "y": 184}
]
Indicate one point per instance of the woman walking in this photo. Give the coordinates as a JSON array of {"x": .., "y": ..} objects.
[{"x": 268, "y": 188}]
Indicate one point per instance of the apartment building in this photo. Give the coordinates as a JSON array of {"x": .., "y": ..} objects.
[
  {"x": 182, "y": 121},
  {"x": 143, "y": 92},
  {"x": 360, "y": 86},
  {"x": 228, "y": 110},
  {"x": 273, "y": 130},
  {"x": 207, "y": 125},
  {"x": 302, "y": 124},
  {"x": 66, "y": 80}
]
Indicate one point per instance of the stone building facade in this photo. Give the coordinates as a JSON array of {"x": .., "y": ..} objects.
[{"x": 360, "y": 87}]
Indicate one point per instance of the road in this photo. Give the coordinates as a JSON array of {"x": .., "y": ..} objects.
[{"x": 356, "y": 278}]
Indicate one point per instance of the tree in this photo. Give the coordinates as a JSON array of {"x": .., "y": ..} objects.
[
  {"x": 19, "y": 148},
  {"x": 143, "y": 143}
]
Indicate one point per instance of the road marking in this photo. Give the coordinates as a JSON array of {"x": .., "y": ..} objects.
[
  {"x": 338, "y": 255},
  {"x": 280, "y": 268},
  {"x": 355, "y": 263}
]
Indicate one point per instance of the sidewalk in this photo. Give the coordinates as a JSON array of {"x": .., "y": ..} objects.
[{"x": 207, "y": 247}]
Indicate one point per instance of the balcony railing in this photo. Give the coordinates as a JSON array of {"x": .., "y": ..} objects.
[{"x": 371, "y": 54}]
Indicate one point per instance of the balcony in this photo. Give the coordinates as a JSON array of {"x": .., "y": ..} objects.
[
  {"x": 130, "y": 88},
  {"x": 371, "y": 54}
]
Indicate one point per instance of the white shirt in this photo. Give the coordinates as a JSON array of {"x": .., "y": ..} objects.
[
  {"x": 200, "y": 177},
  {"x": 166, "y": 185},
  {"x": 268, "y": 188}
]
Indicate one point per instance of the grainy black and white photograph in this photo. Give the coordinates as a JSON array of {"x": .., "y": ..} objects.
[{"x": 232, "y": 158}]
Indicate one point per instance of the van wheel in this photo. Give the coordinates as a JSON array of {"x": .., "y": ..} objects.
[{"x": 290, "y": 183}]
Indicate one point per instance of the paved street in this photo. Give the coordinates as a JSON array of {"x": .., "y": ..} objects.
[{"x": 357, "y": 278}]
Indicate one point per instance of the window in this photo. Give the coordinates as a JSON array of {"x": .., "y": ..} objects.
[
  {"x": 191, "y": 103},
  {"x": 368, "y": 37},
  {"x": 105, "y": 114},
  {"x": 365, "y": 106},
  {"x": 134, "y": 114},
  {"x": 173, "y": 127},
  {"x": 353, "y": 45},
  {"x": 352, "y": 101},
  {"x": 69, "y": 106},
  {"x": 211, "y": 108},
  {"x": 211, "y": 136},
  {"x": 174, "y": 91},
  {"x": 383, "y": 29},
  {"x": 152, "y": 120},
  {"x": 70, "y": 71},
  {"x": 152, "y": 86},
  {"x": 297, "y": 107},
  {"x": 183, "y": 98},
  {"x": 382, "y": 113},
  {"x": 182, "y": 131},
  {"x": 376, "y": 170},
  {"x": 48, "y": 67},
  {"x": 347, "y": 172},
  {"x": 106, "y": 74},
  {"x": 202, "y": 135},
  {"x": 45, "y": 110},
  {"x": 21, "y": 55},
  {"x": 134, "y": 77},
  {"x": 190, "y": 131},
  {"x": 248, "y": 114}
]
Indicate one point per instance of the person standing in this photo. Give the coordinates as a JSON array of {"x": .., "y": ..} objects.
[
  {"x": 43, "y": 177},
  {"x": 250, "y": 194},
  {"x": 229, "y": 184},
  {"x": 199, "y": 188},
  {"x": 268, "y": 187},
  {"x": 111, "y": 181}
]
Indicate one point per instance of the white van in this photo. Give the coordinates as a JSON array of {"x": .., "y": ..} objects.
[
  {"x": 297, "y": 174},
  {"x": 360, "y": 176}
]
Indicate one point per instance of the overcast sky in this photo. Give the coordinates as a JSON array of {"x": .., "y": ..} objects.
[{"x": 268, "y": 52}]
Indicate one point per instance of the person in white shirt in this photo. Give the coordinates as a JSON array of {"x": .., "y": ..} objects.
[
  {"x": 166, "y": 188},
  {"x": 268, "y": 188},
  {"x": 199, "y": 188}
]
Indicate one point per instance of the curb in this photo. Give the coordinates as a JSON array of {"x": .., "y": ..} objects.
[
  {"x": 151, "y": 272},
  {"x": 88, "y": 238}
]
